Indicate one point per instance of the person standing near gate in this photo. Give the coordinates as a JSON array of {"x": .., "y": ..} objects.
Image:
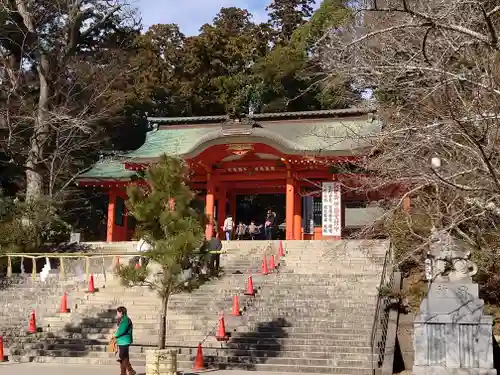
[
  {"x": 253, "y": 230},
  {"x": 214, "y": 247},
  {"x": 269, "y": 224},
  {"x": 228, "y": 227},
  {"x": 241, "y": 230}
]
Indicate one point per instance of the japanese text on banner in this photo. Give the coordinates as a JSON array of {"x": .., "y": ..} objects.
[{"x": 331, "y": 209}]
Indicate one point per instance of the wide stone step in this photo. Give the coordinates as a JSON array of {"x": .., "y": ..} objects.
[
  {"x": 296, "y": 331},
  {"x": 254, "y": 324},
  {"x": 332, "y": 282},
  {"x": 223, "y": 355},
  {"x": 206, "y": 325},
  {"x": 189, "y": 354},
  {"x": 339, "y": 340},
  {"x": 333, "y": 259},
  {"x": 244, "y": 337},
  {"x": 313, "y": 303},
  {"x": 301, "y": 290},
  {"x": 271, "y": 301},
  {"x": 190, "y": 348},
  {"x": 234, "y": 359},
  {"x": 340, "y": 265},
  {"x": 275, "y": 305},
  {"x": 179, "y": 335},
  {"x": 352, "y": 313},
  {"x": 254, "y": 321},
  {"x": 327, "y": 301},
  {"x": 182, "y": 365}
]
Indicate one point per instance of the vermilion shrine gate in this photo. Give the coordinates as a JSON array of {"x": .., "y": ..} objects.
[{"x": 291, "y": 153}]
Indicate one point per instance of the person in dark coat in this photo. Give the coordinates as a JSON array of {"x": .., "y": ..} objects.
[
  {"x": 269, "y": 224},
  {"x": 214, "y": 247}
]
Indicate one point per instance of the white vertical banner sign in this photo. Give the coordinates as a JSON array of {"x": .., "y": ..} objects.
[{"x": 331, "y": 209}]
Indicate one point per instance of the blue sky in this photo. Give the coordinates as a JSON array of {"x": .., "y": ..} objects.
[{"x": 191, "y": 14}]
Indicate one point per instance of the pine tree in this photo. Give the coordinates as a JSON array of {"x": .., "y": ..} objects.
[
  {"x": 167, "y": 220},
  {"x": 287, "y": 15}
]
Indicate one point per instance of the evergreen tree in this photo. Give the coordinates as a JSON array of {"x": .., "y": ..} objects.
[
  {"x": 287, "y": 15},
  {"x": 168, "y": 221}
]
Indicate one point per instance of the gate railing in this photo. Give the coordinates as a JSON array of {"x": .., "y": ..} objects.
[{"x": 69, "y": 264}]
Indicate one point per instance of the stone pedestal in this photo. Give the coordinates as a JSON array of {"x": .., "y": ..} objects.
[
  {"x": 161, "y": 362},
  {"x": 451, "y": 334}
]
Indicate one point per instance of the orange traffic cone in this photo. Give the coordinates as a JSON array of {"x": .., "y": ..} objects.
[
  {"x": 265, "y": 271},
  {"x": 198, "y": 362},
  {"x": 250, "y": 290},
  {"x": 236, "y": 307},
  {"x": 32, "y": 323},
  {"x": 221, "y": 332},
  {"x": 281, "y": 252},
  {"x": 272, "y": 266},
  {"x": 91, "y": 288},
  {"x": 64, "y": 304},
  {"x": 2, "y": 357}
]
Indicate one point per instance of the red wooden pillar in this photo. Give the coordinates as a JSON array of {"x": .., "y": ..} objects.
[
  {"x": 297, "y": 217},
  {"x": 116, "y": 231},
  {"x": 111, "y": 228},
  {"x": 290, "y": 204},
  {"x": 209, "y": 206}
]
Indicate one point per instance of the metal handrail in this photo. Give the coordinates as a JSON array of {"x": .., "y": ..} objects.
[{"x": 380, "y": 320}]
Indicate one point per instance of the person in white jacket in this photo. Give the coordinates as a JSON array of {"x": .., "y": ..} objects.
[{"x": 228, "y": 227}]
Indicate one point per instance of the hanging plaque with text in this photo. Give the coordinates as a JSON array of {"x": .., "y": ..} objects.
[{"x": 331, "y": 209}]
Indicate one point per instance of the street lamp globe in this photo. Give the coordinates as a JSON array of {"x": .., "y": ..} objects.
[{"x": 436, "y": 162}]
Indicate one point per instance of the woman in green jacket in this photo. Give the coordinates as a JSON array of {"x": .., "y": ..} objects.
[{"x": 124, "y": 339}]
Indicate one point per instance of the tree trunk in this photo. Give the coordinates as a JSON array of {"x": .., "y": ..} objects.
[
  {"x": 34, "y": 179},
  {"x": 163, "y": 322},
  {"x": 41, "y": 128}
]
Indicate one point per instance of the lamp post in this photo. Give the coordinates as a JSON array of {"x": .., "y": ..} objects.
[{"x": 435, "y": 165}]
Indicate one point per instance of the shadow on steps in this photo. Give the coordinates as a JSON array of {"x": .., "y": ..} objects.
[
  {"x": 244, "y": 352},
  {"x": 73, "y": 340}
]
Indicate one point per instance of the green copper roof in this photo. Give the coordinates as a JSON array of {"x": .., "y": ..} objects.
[
  {"x": 168, "y": 141},
  {"x": 106, "y": 169},
  {"x": 333, "y": 136},
  {"x": 302, "y": 135}
]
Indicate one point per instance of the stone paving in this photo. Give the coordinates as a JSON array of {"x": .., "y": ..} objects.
[{"x": 59, "y": 369}]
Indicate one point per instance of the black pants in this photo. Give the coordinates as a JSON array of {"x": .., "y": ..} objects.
[
  {"x": 214, "y": 263},
  {"x": 123, "y": 352},
  {"x": 269, "y": 233}
]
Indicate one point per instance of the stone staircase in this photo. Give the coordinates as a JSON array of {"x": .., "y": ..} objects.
[
  {"x": 21, "y": 294},
  {"x": 314, "y": 315}
]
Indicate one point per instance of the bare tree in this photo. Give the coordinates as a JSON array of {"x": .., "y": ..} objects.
[
  {"x": 434, "y": 69},
  {"x": 59, "y": 65}
]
